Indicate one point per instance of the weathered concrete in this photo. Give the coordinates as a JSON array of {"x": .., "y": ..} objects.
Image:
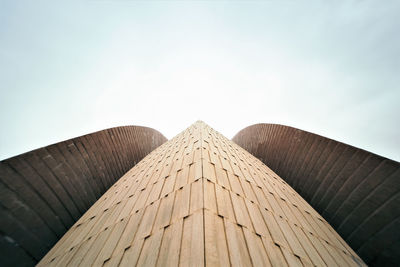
[
  {"x": 43, "y": 192},
  {"x": 356, "y": 191},
  {"x": 201, "y": 200}
]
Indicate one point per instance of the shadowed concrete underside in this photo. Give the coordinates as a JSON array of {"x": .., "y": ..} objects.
[
  {"x": 44, "y": 192},
  {"x": 356, "y": 191}
]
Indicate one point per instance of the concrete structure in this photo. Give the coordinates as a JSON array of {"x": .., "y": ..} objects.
[
  {"x": 45, "y": 191},
  {"x": 356, "y": 191},
  {"x": 197, "y": 200}
]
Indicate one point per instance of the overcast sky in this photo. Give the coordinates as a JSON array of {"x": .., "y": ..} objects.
[{"x": 329, "y": 67}]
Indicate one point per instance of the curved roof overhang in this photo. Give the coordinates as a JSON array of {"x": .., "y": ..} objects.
[
  {"x": 356, "y": 191},
  {"x": 45, "y": 191}
]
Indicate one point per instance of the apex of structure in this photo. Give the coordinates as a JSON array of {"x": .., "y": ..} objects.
[{"x": 199, "y": 199}]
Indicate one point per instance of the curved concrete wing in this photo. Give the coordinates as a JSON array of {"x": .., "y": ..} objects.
[
  {"x": 43, "y": 192},
  {"x": 356, "y": 191}
]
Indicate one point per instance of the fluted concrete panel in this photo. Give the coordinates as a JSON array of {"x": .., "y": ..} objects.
[
  {"x": 43, "y": 192},
  {"x": 356, "y": 191}
]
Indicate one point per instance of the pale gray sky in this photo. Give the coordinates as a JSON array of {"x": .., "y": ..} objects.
[{"x": 329, "y": 67}]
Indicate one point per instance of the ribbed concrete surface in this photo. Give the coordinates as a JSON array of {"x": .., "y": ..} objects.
[
  {"x": 356, "y": 191},
  {"x": 200, "y": 200},
  {"x": 43, "y": 192}
]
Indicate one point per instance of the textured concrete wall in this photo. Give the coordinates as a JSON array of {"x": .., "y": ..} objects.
[
  {"x": 201, "y": 200},
  {"x": 43, "y": 192},
  {"x": 356, "y": 191}
]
